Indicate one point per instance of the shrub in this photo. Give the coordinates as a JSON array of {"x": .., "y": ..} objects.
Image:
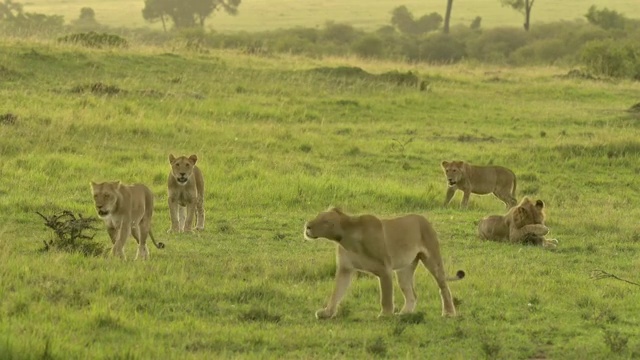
[
  {"x": 72, "y": 234},
  {"x": 442, "y": 48},
  {"x": 369, "y": 46},
  {"x": 605, "y": 18},
  {"x": 95, "y": 40},
  {"x": 30, "y": 24},
  {"x": 612, "y": 58},
  {"x": 495, "y": 45}
]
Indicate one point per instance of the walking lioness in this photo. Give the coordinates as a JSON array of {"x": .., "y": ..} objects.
[
  {"x": 480, "y": 180},
  {"x": 380, "y": 246},
  {"x": 125, "y": 209},
  {"x": 186, "y": 191}
]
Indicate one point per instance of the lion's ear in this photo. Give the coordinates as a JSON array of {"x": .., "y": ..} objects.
[
  {"x": 193, "y": 158},
  {"x": 336, "y": 210},
  {"x": 539, "y": 204},
  {"x": 93, "y": 184},
  {"x": 444, "y": 164},
  {"x": 171, "y": 158},
  {"x": 117, "y": 184}
]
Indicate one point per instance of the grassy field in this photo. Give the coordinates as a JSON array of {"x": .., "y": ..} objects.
[
  {"x": 258, "y": 15},
  {"x": 277, "y": 144}
]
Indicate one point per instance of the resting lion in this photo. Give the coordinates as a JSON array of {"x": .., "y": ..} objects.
[
  {"x": 521, "y": 224},
  {"x": 186, "y": 191},
  {"x": 480, "y": 180},
  {"x": 125, "y": 209},
  {"x": 380, "y": 246}
]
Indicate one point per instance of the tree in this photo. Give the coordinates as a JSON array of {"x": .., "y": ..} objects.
[
  {"x": 186, "y": 13},
  {"x": 605, "y": 18},
  {"x": 9, "y": 9},
  {"x": 523, "y": 6},
  {"x": 403, "y": 19},
  {"x": 447, "y": 16}
]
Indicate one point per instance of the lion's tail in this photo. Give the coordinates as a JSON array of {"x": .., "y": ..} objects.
[
  {"x": 459, "y": 276},
  {"x": 159, "y": 245}
]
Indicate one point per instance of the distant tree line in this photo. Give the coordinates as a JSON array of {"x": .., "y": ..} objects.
[{"x": 605, "y": 44}]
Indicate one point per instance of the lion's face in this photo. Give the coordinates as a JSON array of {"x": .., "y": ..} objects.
[
  {"x": 182, "y": 167},
  {"x": 454, "y": 171},
  {"x": 105, "y": 197},
  {"x": 528, "y": 212},
  {"x": 325, "y": 225}
]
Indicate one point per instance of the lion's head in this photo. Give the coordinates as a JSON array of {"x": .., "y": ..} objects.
[
  {"x": 182, "y": 167},
  {"x": 454, "y": 171},
  {"x": 528, "y": 212},
  {"x": 326, "y": 225},
  {"x": 105, "y": 197}
]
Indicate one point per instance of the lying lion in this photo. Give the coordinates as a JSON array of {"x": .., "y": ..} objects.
[
  {"x": 185, "y": 186},
  {"x": 479, "y": 180},
  {"x": 522, "y": 224},
  {"x": 125, "y": 209},
  {"x": 380, "y": 246}
]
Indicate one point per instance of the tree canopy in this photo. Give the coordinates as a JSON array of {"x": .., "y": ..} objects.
[{"x": 186, "y": 13}]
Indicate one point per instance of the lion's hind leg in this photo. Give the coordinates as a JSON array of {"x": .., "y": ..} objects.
[
  {"x": 406, "y": 282},
  {"x": 143, "y": 233},
  {"x": 434, "y": 264}
]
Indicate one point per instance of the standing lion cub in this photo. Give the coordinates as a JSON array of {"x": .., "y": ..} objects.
[
  {"x": 125, "y": 209},
  {"x": 186, "y": 191},
  {"x": 380, "y": 246},
  {"x": 480, "y": 180}
]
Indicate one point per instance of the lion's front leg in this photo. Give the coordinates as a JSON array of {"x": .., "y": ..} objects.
[
  {"x": 191, "y": 211},
  {"x": 113, "y": 233},
  {"x": 465, "y": 198},
  {"x": 519, "y": 234},
  {"x": 451, "y": 190},
  {"x": 123, "y": 233},
  {"x": 343, "y": 280},
  {"x": 386, "y": 292},
  {"x": 173, "y": 212}
]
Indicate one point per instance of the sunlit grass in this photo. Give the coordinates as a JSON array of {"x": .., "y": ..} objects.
[{"x": 277, "y": 144}]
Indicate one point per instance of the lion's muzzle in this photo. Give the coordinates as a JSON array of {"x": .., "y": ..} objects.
[
  {"x": 308, "y": 234},
  {"x": 451, "y": 182},
  {"x": 102, "y": 213}
]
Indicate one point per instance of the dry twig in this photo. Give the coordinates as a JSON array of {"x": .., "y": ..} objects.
[{"x": 601, "y": 274}]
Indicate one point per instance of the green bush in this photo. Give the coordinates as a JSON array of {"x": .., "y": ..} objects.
[
  {"x": 369, "y": 46},
  {"x": 612, "y": 58},
  {"x": 94, "y": 40},
  {"x": 442, "y": 48},
  {"x": 496, "y": 45}
]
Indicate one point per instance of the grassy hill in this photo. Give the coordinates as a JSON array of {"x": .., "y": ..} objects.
[
  {"x": 277, "y": 143},
  {"x": 258, "y": 15}
]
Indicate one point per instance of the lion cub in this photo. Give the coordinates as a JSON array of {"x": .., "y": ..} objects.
[
  {"x": 186, "y": 191},
  {"x": 125, "y": 209},
  {"x": 480, "y": 180},
  {"x": 380, "y": 247},
  {"x": 521, "y": 224}
]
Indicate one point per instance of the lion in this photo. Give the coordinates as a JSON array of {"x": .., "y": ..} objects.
[
  {"x": 521, "y": 224},
  {"x": 185, "y": 186},
  {"x": 125, "y": 210},
  {"x": 479, "y": 180},
  {"x": 380, "y": 247}
]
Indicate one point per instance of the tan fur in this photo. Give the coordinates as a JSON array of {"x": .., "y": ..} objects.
[
  {"x": 186, "y": 191},
  {"x": 367, "y": 243},
  {"x": 125, "y": 209},
  {"x": 480, "y": 180},
  {"x": 522, "y": 224}
]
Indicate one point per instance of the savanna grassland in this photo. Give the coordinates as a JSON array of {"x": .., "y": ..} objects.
[
  {"x": 261, "y": 15},
  {"x": 278, "y": 143}
]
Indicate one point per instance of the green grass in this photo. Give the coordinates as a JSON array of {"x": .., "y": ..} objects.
[
  {"x": 277, "y": 144},
  {"x": 258, "y": 15}
]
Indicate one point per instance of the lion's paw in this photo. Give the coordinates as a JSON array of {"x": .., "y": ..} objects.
[{"x": 323, "y": 314}]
